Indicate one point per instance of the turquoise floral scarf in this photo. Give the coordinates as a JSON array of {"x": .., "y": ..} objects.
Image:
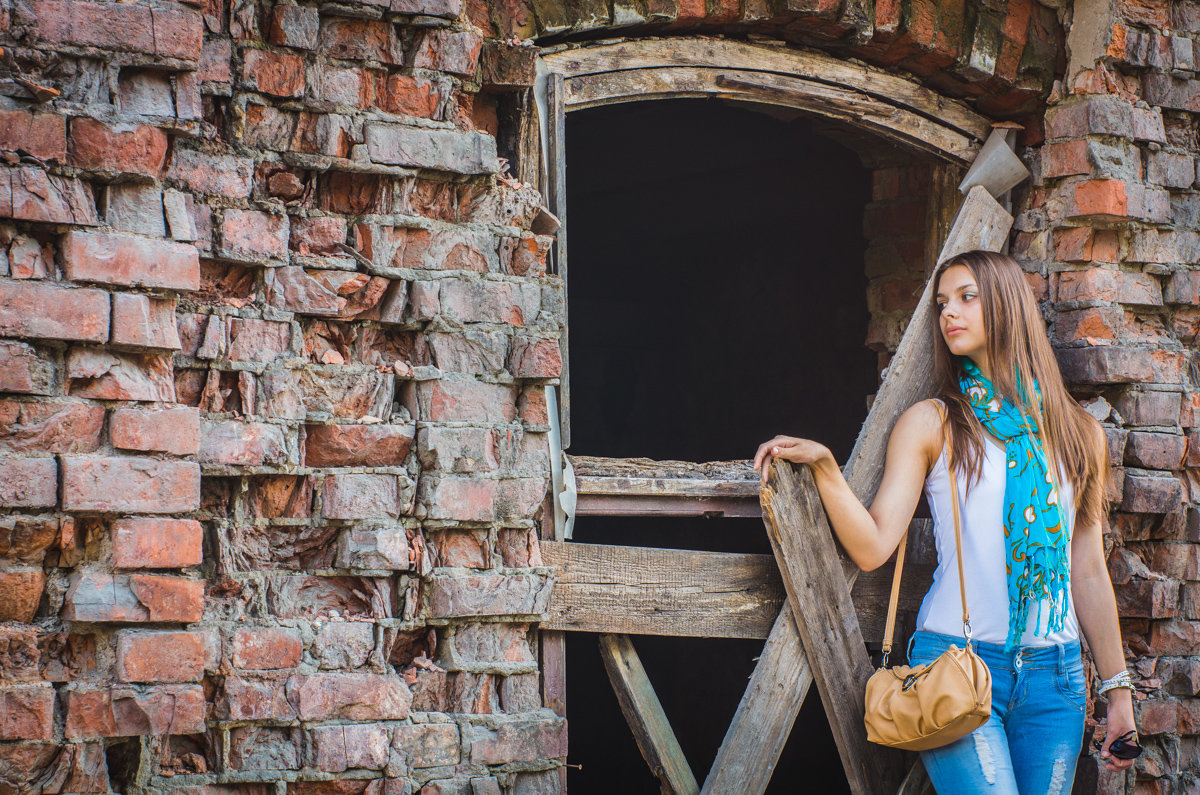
[{"x": 1035, "y": 528}]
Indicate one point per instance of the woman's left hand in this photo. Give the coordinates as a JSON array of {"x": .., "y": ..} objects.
[{"x": 1120, "y": 721}]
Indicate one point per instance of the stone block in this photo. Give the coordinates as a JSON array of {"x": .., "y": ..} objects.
[
  {"x": 255, "y": 699},
  {"x": 351, "y": 746},
  {"x": 444, "y": 50},
  {"x": 343, "y": 644},
  {"x": 173, "y": 32},
  {"x": 1151, "y": 494},
  {"x": 490, "y": 302},
  {"x": 464, "y": 401},
  {"x": 43, "y": 135},
  {"x": 253, "y": 236},
  {"x": 294, "y": 26},
  {"x": 30, "y": 194},
  {"x": 275, "y": 73},
  {"x": 374, "y": 548},
  {"x": 224, "y": 175},
  {"x": 137, "y": 208},
  {"x": 519, "y": 740},
  {"x": 428, "y": 744},
  {"x": 1151, "y": 450},
  {"x": 20, "y": 594},
  {"x": 349, "y": 495},
  {"x": 461, "y": 152},
  {"x": 27, "y": 712},
  {"x": 23, "y": 370},
  {"x": 264, "y": 748},
  {"x": 465, "y": 596},
  {"x": 360, "y": 39}
]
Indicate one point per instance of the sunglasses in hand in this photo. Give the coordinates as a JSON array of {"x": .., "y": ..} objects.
[{"x": 1124, "y": 747}]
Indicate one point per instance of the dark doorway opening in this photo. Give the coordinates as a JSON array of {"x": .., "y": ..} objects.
[{"x": 716, "y": 297}]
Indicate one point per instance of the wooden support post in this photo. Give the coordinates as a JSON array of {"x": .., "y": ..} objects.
[
  {"x": 828, "y": 625},
  {"x": 645, "y": 716}
]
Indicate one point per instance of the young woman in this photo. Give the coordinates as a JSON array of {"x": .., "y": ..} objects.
[{"x": 1032, "y": 470}]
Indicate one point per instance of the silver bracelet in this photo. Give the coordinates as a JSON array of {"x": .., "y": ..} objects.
[{"x": 1121, "y": 680}]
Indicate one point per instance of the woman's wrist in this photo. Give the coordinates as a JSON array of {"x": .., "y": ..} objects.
[{"x": 825, "y": 466}]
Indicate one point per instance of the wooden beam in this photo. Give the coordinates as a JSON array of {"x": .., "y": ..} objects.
[
  {"x": 556, "y": 193},
  {"x": 825, "y": 616},
  {"x": 755, "y": 739},
  {"x": 643, "y": 591},
  {"x": 710, "y": 52},
  {"x": 685, "y": 593},
  {"x": 645, "y": 716}
]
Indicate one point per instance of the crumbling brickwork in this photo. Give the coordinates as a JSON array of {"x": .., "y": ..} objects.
[{"x": 275, "y": 329}]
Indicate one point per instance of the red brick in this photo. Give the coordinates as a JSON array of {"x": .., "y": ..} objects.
[
  {"x": 144, "y": 543},
  {"x": 1155, "y": 450},
  {"x": 95, "y": 145},
  {"x": 1151, "y": 13},
  {"x": 411, "y": 96},
  {"x": 338, "y": 748},
  {"x": 169, "y": 430},
  {"x": 25, "y": 539},
  {"x": 350, "y": 696},
  {"x": 30, "y": 194},
  {"x": 217, "y": 174},
  {"x": 29, "y": 483},
  {"x": 294, "y": 26},
  {"x": 215, "y": 60},
  {"x": 519, "y": 741},
  {"x": 1147, "y": 599},
  {"x": 111, "y": 375},
  {"x": 275, "y": 73},
  {"x": 1105, "y": 284},
  {"x": 27, "y": 712},
  {"x": 488, "y": 301},
  {"x": 45, "y": 311},
  {"x": 360, "y": 39},
  {"x": 239, "y": 443},
  {"x": 467, "y": 401},
  {"x": 134, "y": 485},
  {"x": 50, "y": 427},
  {"x": 1157, "y": 716},
  {"x": 139, "y": 321},
  {"x": 133, "y": 598},
  {"x": 467, "y": 549},
  {"x": 128, "y": 711},
  {"x": 255, "y": 699},
  {"x": 266, "y": 648},
  {"x": 253, "y": 340},
  {"x": 444, "y": 50},
  {"x": 253, "y": 236},
  {"x": 488, "y": 595},
  {"x": 172, "y": 32},
  {"x": 366, "y": 496},
  {"x": 1064, "y": 159},
  {"x": 535, "y": 358},
  {"x": 159, "y": 656},
  {"x": 131, "y": 261},
  {"x": 465, "y": 499},
  {"x": 264, "y": 748},
  {"x": 23, "y": 370},
  {"x": 43, "y": 135},
  {"x": 20, "y": 593},
  {"x": 1145, "y": 494},
  {"x": 318, "y": 235},
  {"x": 357, "y": 445}
]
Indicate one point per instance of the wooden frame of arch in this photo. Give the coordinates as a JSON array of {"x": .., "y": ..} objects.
[{"x": 824, "y": 644}]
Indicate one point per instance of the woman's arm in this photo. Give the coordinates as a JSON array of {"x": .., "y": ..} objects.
[
  {"x": 871, "y": 536},
  {"x": 1096, "y": 608}
]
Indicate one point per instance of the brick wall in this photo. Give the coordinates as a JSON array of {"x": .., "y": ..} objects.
[{"x": 273, "y": 339}]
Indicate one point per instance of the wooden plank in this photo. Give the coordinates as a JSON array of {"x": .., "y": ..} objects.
[
  {"x": 556, "y": 195},
  {"x": 810, "y": 64},
  {"x": 645, "y": 716},
  {"x": 587, "y": 466},
  {"x": 643, "y": 591},
  {"x": 756, "y": 737},
  {"x": 666, "y": 505},
  {"x": 836, "y": 102},
  {"x": 828, "y": 623},
  {"x": 666, "y": 487}
]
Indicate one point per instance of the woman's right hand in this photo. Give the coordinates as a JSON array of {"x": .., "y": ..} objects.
[{"x": 789, "y": 448}]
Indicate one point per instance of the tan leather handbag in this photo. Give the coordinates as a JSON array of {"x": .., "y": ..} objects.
[{"x": 928, "y": 706}]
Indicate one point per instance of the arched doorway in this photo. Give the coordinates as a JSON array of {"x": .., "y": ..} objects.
[{"x": 875, "y": 138}]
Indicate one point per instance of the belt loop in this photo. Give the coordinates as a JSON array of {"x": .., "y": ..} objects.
[
  {"x": 908, "y": 648},
  {"x": 1062, "y": 658}
]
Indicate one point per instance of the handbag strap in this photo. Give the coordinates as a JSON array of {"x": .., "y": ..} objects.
[{"x": 893, "y": 600}]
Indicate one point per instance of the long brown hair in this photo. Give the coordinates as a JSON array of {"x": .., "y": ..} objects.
[{"x": 1019, "y": 353}]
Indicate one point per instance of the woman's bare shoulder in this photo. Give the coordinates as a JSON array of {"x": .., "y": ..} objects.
[{"x": 920, "y": 426}]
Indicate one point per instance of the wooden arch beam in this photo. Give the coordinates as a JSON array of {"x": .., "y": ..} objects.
[{"x": 892, "y": 106}]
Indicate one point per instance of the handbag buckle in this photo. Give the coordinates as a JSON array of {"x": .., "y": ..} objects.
[{"x": 909, "y": 681}]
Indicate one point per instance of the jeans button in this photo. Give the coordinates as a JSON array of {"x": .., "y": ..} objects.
[{"x": 1018, "y": 662}]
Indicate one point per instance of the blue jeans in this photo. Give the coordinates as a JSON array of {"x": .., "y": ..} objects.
[{"x": 1031, "y": 742}]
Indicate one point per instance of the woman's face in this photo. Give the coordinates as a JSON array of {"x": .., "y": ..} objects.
[{"x": 961, "y": 314}]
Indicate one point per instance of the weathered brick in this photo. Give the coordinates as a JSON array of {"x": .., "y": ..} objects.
[
  {"x": 46, "y": 311},
  {"x": 263, "y": 748},
  {"x": 133, "y": 598},
  {"x": 460, "y": 548},
  {"x": 1106, "y": 365},
  {"x": 295, "y": 290},
  {"x": 318, "y": 235},
  {"x": 159, "y": 656},
  {"x": 130, "y": 261},
  {"x": 374, "y": 548},
  {"x": 30, "y": 194},
  {"x": 460, "y": 498},
  {"x": 1149, "y": 408},
  {"x": 23, "y": 370},
  {"x": 1090, "y": 115},
  {"x": 411, "y": 96},
  {"x": 50, "y": 427},
  {"x": 20, "y": 593},
  {"x": 338, "y": 748},
  {"x": 1155, "y": 450},
  {"x": 139, "y": 321},
  {"x": 488, "y": 595},
  {"x": 491, "y": 302},
  {"x": 343, "y": 644},
  {"x": 253, "y": 236},
  {"x": 127, "y": 711},
  {"x": 428, "y": 744},
  {"x": 444, "y": 150},
  {"x": 464, "y": 401},
  {"x": 29, "y": 483},
  {"x": 134, "y": 485},
  {"x": 459, "y": 450},
  {"x": 517, "y": 741},
  {"x": 294, "y": 26},
  {"x": 275, "y": 73},
  {"x": 443, "y": 50},
  {"x": 487, "y": 643},
  {"x": 144, "y": 543},
  {"x": 255, "y": 699},
  {"x": 239, "y": 443},
  {"x": 137, "y": 208},
  {"x": 360, "y": 39},
  {"x": 538, "y": 357},
  {"x": 110, "y": 375},
  {"x": 138, "y": 149},
  {"x": 357, "y": 445},
  {"x": 173, "y": 32},
  {"x": 1170, "y": 169},
  {"x": 19, "y": 654},
  {"x": 350, "y": 696},
  {"x": 253, "y": 340},
  {"x": 173, "y": 430},
  {"x": 43, "y": 135},
  {"x": 27, "y": 712},
  {"x": 213, "y": 173},
  {"x": 266, "y": 648},
  {"x": 1147, "y": 599},
  {"x": 25, "y": 539},
  {"x": 1147, "y": 494},
  {"x": 351, "y": 495}
]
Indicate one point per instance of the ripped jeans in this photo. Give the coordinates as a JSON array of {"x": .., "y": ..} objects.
[{"x": 1031, "y": 742}]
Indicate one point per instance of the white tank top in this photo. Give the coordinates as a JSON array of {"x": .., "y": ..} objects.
[{"x": 984, "y": 553}]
